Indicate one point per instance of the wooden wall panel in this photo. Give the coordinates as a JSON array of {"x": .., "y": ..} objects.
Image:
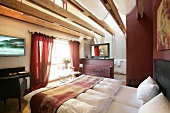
[{"x": 140, "y": 45}]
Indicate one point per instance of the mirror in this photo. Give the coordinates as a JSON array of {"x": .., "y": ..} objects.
[{"x": 100, "y": 50}]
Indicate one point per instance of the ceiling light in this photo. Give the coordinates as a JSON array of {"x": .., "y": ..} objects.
[
  {"x": 125, "y": 6},
  {"x": 95, "y": 7}
]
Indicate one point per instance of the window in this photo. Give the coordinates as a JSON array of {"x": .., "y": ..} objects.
[
  {"x": 61, "y": 3},
  {"x": 60, "y": 51}
]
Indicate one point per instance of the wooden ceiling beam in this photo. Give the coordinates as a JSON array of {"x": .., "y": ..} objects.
[
  {"x": 36, "y": 21},
  {"x": 14, "y": 4},
  {"x": 111, "y": 8},
  {"x": 51, "y": 6},
  {"x": 90, "y": 15}
]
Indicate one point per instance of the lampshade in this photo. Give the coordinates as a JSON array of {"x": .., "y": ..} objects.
[
  {"x": 125, "y": 6},
  {"x": 95, "y": 7}
]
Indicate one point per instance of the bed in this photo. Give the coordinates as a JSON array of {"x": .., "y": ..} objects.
[{"x": 117, "y": 99}]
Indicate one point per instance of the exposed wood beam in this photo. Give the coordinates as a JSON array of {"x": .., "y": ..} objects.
[
  {"x": 36, "y": 21},
  {"x": 90, "y": 15},
  {"x": 111, "y": 8},
  {"x": 14, "y": 4},
  {"x": 51, "y": 6}
]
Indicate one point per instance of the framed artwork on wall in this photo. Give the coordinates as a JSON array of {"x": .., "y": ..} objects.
[{"x": 163, "y": 25}]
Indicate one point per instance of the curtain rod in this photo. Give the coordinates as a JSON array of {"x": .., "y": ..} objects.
[{"x": 47, "y": 35}]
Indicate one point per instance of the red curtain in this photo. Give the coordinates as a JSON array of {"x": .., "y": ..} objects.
[
  {"x": 41, "y": 49},
  {"x": 96, "y": 50},
  {"x": 74, "y": 52}
]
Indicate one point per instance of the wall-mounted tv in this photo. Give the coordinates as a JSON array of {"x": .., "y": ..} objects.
[
  {"x": 100, "y": 50},
  {"x": 12, "y": 46}
]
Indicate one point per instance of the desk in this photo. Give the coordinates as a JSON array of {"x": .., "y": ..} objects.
[
  {"x": 20, "y": 76},
  {"x": 5, "y": 73}
]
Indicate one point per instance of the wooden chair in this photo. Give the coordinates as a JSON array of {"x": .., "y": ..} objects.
[{"x": 10, "y": 88}]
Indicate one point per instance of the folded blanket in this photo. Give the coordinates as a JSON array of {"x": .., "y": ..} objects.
[
  {"x": 104, "y": 89},
  {"x": 76, "y": 106},
  {"x": 93, "y": 92},
  {"x": 115, "y": 87},
  {"x": 118, "y": 82},
  {"x": 94, "y": 100}
]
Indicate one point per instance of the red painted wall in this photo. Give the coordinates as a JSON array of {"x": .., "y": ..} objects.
[
  {"x": 139, "y": 44},
  {"x": 165, "y": 55}
]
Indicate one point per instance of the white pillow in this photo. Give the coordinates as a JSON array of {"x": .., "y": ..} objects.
[
  {"x": 147, "y": 90},
  {"x": 158, "y": 104}
]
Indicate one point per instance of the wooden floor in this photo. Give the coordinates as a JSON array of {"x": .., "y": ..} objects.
[
  {"x": 12, "y": 104},
  {"x": 120, "y": 77}
]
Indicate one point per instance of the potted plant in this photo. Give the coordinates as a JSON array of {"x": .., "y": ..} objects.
[{"x": 66, "y": 61}]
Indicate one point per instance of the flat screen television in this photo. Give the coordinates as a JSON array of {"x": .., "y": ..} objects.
[
  {"x": 12, "y": 46},
  {"x": 100, "y": 50}
]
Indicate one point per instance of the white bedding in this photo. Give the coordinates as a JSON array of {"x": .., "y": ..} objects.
[
  {"x": 77, "y": 107},
  {"x": 117, "y": 107},
  {"x": 128, "y": 95},
  {"x": 100, "y": 100}
]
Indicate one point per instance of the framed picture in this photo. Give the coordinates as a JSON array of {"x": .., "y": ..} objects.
[{"x": 163, "y": 25}]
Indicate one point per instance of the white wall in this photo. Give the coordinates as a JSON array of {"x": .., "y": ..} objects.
[
  {"x": 117, "y": 45},
  {"x": 117, "y": 50},
  {"x": 13, "y": 27}
]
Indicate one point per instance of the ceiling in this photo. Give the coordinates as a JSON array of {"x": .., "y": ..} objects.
[
  {"x": 95, "y": 9},
  {"x": 47, "y": 14}
]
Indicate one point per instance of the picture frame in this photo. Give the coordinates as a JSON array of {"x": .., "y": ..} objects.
[{"x": 163, "y": 26}]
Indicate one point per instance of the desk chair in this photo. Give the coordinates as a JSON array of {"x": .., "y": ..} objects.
[{"x": 10, "y": 88}]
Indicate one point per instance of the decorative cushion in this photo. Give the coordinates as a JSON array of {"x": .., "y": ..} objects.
[
  {"x": 147, "y": 90},
  {"x": 158, "y": 104}
]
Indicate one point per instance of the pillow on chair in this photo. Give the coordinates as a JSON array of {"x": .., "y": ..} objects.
[
  {"x": 147, "y": 90},
  {"x": 158, "y": 104}
]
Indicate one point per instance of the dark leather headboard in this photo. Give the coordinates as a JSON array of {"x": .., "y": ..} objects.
[{"x": 162, "y": 76}]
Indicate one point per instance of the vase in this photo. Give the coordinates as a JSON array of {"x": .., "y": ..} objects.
[{"x": 66, "y": 65}]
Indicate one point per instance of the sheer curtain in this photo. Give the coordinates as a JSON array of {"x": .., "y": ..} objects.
[
  {"x": 40, "y": 62},
  {"x": 74, "y": 52}
]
